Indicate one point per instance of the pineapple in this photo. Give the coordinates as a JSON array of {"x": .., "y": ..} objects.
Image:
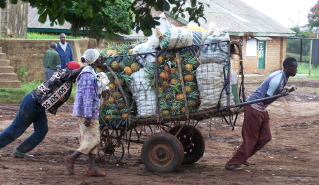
[
  {"x": 124, "y": 49},
  {"x": 135, "y": 66},
  {"x": 189, "y": 67},
  {"x": 159, "y": 89},
  {"x": 160, "y": 59},
  {"x": 111, "y": 99},
  {"x": 164, "y": 108},
  {"x": 164, "y": 75},
  {"x": 173, "y": 70},
  {"x": 175, "y": 81},
  {"x": 127, "y": 70},
  {"x": 189, "y": 78},
  {"x": 112, "y": 86},
  {"x": 124, "y": 115},
  {"x": 180, "y": 97},
  {"x": 116, "y": 95},
  {"x": 166, "y": 68},
  {"x": 120, "y": 81},
  {"x": 121, "y": 105},
  {"x": 165, "y": 112},
  {"x": 183, "y": 109},
  {"x": 165, "y": 84},
  {"x": 191, "y": 103},
  {"x": 176, "y": 107},
  {"x": 107, "y": 118},
  {"x": 188, "y": 89},
  {"x": 115, "y": 66}
]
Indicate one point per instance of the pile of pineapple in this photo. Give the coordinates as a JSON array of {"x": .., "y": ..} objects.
[
  {"x": 176, "y": 85},
  {"x": 114, "y": 108},
  {"x": 170, "y": 82}
]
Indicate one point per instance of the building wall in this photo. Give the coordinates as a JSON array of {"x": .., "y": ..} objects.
[
  {"x": 30, "y": 53},
  {"x": 14, "y": 20},
  {"x": 275, "y": 55}
]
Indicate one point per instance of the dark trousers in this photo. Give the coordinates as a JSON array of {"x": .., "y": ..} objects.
[
  {"x": 30, "y": 112},
  {"x": 255, "y": 132},
  {"x": 48, "y": 73}
]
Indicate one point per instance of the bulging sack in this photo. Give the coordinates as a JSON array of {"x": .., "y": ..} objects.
[{"x": 181, "y": 37}]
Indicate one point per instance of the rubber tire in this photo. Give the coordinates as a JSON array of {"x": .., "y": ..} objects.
[
  {"x": 166, "y": 144},
  {"x": 194, "y": 147}
]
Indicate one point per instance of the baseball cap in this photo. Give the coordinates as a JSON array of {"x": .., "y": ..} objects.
[{"x": 73, "y": 65}]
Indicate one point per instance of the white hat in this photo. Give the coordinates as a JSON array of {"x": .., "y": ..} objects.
[{"x": 91, "y": 55}]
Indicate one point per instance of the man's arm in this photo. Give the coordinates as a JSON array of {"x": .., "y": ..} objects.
[
  {"x": 267, "y": 102},
  {"x": 57, "y": 61},
  {"x": 75, "y": 73},
  {"x": 72, "y": 56}
]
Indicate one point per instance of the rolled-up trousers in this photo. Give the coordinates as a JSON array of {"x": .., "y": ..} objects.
[{"x": 255, "y": 132}]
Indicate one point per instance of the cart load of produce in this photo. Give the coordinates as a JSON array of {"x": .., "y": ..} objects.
[{"x": 147, "y": 81}]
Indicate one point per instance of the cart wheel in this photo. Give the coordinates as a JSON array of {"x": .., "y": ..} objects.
[
  {"x": 111, "y": 149},
  {"x": 192, "y": 141},
  {"x": 162, "y": 152}
]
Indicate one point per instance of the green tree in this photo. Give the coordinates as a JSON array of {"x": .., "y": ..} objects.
[
  {"x": 140, "y": 10},
  {"x": 118, "y": 18},
  {"x": 313, "y": 16}
]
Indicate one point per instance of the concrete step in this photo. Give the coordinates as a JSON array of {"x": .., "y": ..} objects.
[
  {"x": 8, "y": 77},
  {"x": 3, "y": 56},
  {"x": 10, "y": 84},
  {"x": 6, "y": 69},
  {"x": 4, "y": 62}
]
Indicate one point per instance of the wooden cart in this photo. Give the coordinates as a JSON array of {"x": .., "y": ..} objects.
[{"x": 171, "y": 140}]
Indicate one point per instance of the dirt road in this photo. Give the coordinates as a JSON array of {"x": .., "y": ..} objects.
[{"x": 290, "y": 158}]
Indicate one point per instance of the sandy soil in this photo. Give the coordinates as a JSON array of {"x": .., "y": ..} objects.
[{"x": 290, "y": 158}]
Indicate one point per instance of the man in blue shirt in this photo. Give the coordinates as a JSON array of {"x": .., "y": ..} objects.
[
  {"x": 256, "y": 130},
  {"x": 65, "y": 51}
]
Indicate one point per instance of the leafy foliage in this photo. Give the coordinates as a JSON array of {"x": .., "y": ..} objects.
[
  {"x": 99, "y": 14},
  {"x": 313, "y": 16},
  {"x": 115, "y": 16}
]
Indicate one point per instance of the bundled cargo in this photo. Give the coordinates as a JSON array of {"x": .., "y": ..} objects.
[{"x": 154, "y": 84}]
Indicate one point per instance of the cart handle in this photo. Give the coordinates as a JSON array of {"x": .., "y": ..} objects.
[{"x": 254, "y": 101}]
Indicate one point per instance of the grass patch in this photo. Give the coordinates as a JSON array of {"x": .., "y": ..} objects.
[
  {"x": 14, "y": 96},
  {"x": 33, "y": 35},
  {"x": 303, "y": 68}
]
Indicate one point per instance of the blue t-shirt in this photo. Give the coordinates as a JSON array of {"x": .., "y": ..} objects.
[{"x": 273, "y": 85}]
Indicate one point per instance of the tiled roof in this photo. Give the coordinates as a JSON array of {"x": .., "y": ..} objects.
[
  {"x": 239, "y": 17},
  {"x": 33, "y": 22}
]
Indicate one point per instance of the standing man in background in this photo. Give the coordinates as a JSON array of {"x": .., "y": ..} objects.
[
  {"x": 65, "y": 51},
  {"x": 51, "y": 61}
]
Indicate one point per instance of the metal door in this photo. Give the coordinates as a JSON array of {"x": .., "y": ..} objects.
[{"x": 261, "y": 54}]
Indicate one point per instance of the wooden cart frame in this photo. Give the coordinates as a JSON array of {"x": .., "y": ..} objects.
[{"x": 175, "y": 140}]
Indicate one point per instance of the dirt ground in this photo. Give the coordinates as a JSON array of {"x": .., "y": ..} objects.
[{"x": 291, "y": 157}]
